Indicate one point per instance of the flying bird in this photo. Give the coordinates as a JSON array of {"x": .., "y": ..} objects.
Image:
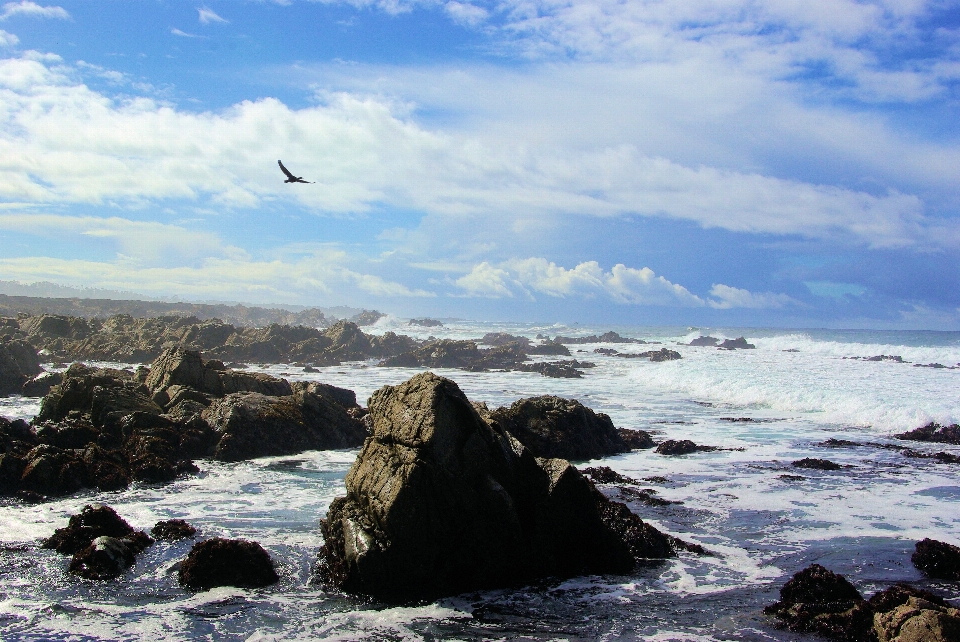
[{"x": 290, "y": 177}]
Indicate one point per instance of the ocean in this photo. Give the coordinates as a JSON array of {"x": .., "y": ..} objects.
[{"x": 763, "y": 518}]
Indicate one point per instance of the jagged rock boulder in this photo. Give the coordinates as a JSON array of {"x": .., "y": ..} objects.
[
  {"x": 105, "y": 559},
  {"x": 920, "y": 618},
  {"x": 740, "y": 343},
  {"x": 95, "y": 520},
  {"x": 250, "y": 424},
  {"x": 440, "y": 501},
  {"x": 18, "y": 364},
  {"x": 103, "y": 396},
  {"x": 817, "y": 600},
  {"x": 937, "y": 559},
  {"x": 555, "y": 427},
  {"x": 636, "y": 439},
  {"x": 41, "y": 384},
  {"x": 934, "y": 432},
  {"x": 227, "y": 562},
  {"x": 702, "y": 341}
]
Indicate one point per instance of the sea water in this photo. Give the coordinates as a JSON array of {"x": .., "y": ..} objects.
[{"x": 762, "y": 518}]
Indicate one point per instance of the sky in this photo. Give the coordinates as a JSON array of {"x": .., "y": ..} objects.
[{"x": 778, "y": 163}]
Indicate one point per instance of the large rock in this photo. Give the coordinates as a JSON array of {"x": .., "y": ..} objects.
[
  {"x": 937, "y": 559},
  {"x": 918, "y": 620},
  {"x": 439, "y": 501},
  {"x": 177, "y": 370},
  {"x": 18, "y": 364},
  {"x": 934, "y": 432},
  {"x": 104, "y": 559},
  {"x": 817, "y": 600},
  {"x": 251, "y": 424},
  {"x": 101, "y": 395},
  {"x": 555, "y": 427},
  {"x": 95, "y": 520},
  {"x": 227, "y": 562}
]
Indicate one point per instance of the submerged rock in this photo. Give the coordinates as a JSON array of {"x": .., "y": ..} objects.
[
  {"x": 816, "y": 464},
  {"x": 172, "y": 530},
  {"x": 681, "y": 447},
  {"x": 555, "y": 427},
  {"x": 710, "y": 342},
  {"x": 95, "y": 520},
  {"x": 937, "y": 559},
  {"x": 440, "y": 501},
  {"x": 227, "y": 562}
]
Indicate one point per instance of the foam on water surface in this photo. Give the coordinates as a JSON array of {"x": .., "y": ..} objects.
[{"x": 762, "y": 518}]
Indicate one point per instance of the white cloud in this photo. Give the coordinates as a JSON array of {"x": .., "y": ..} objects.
[
  {"x": 27, "y": 8},
  {"x": 8, "y": 39},
  {"x": 586, "y": 280},
  {"x": 466, "y": 13},
  {"x": 208, "y": 15},
  {"x": 183, "y": 34},
  {"x": 726, "y": 297},
  {"x": 63, "y": 142}
]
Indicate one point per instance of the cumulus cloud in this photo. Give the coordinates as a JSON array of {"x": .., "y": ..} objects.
[
  {"x": 208, "y": 15},
  {"x": 32, "y": 9},
  {"x": 726, "y": 297},
  {"x": 533, "y": 276},
  {"x": 63, "y": 142}
]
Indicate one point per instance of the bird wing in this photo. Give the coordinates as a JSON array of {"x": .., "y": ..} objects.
[{"x": 286, "y": 171}]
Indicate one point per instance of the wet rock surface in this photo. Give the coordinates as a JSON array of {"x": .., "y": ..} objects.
[
  {"x": 227, "y": 562},
  {"x": 18, "y": 365},
  {"x": 172, "y": 530},
  {"x": 104, "y": 428},
  {"x": 937, "y": 559},
  {"x": 816, "y": 464},
  {"x": 441, "y": 501},
  {"x": 816, "y": 600},
  {"x": 555, "y": 427},
  {"x": 681, "y": 447},
  {"x": 102, "y": 544},
  {"x": 740, "y": 343},
  {"x": 935, "y": 433}
]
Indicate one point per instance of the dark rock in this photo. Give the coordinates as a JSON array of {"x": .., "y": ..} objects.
[
  {"x": 681, "y": 447},
  {"x": 555, "y": 370},
  {"x": 636, "y": 439},
  {"x": 105, "y": 559},
  {"x": 49, "y": 470},
  {"x": 549, "y": 348},
  {"x": 92, "y": 522},
  {"x": 310, "y": 369},
  {"x": 816, "y": 464},
  {"x": 816, "y": 600},
  {"x": 937, "y": 559},
  {"x": 440, "y": 501},
  {"x": 606, "y": 337},
  {"x": 555, "y": 427},
  {"x": 227, "y": 562},
  {"x": 736, "y": 344},
  {"x": 425, "y": 323},
  {"x": 898, "y": 595},
  {"x": 610, "y": 352},
  {"x": 445, "y": 353},
  {"x": 172, "y": 530},
  {"x": 886, "y": 357},
  {"x": 709, "y": 342},
  {"x": 934, "y": 432},
  {"x": 607, "y": 475},
  {"x": 255, "y": 425},
  {"x": 41, "y": 384},
  {"x": 18, "y": 364},
  {"x": 102, "y": 395},
  {"x": 663, "y": 354},
  {"x": 504, "y": 338}
]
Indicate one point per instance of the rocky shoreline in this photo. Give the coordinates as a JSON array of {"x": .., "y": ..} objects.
[{"x": 445, "y": 496}]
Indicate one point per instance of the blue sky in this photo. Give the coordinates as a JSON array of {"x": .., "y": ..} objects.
[{"x": 716, "y": 162}]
